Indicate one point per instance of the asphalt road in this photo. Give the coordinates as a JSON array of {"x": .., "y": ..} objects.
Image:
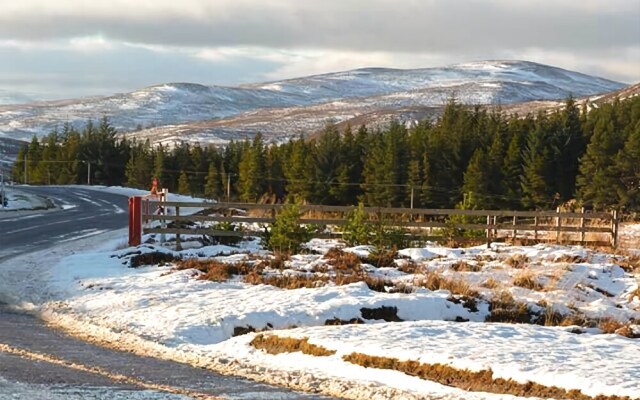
[{"x": 37, "y": 362}]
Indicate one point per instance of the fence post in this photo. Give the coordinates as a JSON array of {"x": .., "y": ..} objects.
[
  {"x": 489, "y": 228},
  {"x": 582, "y": 226},
  {"x": 135, "y": 221},
  {"x": 535, "y": 228},
  {"x": 614, "y": 229},
  {"x": 515, "y": 231},
  {"x": 558, "y": 224},
  {"x": 178, "y": 245}
]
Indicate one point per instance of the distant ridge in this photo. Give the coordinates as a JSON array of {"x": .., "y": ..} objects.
[{"x": 281, "y": 109}]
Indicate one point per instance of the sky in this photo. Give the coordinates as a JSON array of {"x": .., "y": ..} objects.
[{"x": 71, "y": 48}]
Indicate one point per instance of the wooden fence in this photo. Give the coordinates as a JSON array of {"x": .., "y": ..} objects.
[{"x": 556, "y": 226}]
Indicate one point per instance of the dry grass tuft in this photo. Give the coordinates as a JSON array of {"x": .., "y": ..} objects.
[
  {"x": 338, "y": 321},
  {"x": 527, "y": 280},
  {"x": 504, "y": 308},
  {"x": 518, "y": 261},
  {"x": 462, "y": 266},
  {"x": 630, "y": 263},
  {"x": 279, "y": 260},
  {"x": 491, "y": 283},
  {"x": 570, "y": 259},
  {"x": 477, "y": 381},
  {"x": 435, "y": 281},
  {"x": 217, "y": 271},
  {"x": 275, "y": 345},
  {"x": 293, "y": 281},
  {"x": 343, "y": 261},
  {"x": 408, "y": 267},
  {"x": 383, "y": 258}
]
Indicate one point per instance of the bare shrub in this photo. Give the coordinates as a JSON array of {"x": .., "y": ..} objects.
[{"x": 275, "y": 345}]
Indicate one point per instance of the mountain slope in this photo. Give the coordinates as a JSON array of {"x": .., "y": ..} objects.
[{"x": 208, "y": 113}]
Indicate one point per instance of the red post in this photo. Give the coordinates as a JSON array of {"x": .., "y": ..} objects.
[{"x": 135, "y": 220}]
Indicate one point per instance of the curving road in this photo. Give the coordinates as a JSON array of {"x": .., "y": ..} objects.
[{"x": 37, "y": 362}]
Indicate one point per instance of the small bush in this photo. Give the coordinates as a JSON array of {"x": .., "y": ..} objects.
[
  {"x": 382, "y": 258},
  {"x": 287, "y": 235},
  {"x": 356, "y": 231}
]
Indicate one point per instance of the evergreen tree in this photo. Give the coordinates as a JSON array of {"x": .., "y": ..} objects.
[
  {"x": 477, "y": 180},
  {"x": 159, "y": 166},
  {"x": 17, "y": 171},
  {"x": 213, "y": 188},
  {"x": 252, "y": 171},
  {"x": 183, "y": 184},
  {"x": 598, "y": 182},
  {"x": 627, "y": 164}
]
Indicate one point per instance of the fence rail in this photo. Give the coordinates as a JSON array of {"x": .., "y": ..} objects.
[{"x": 558, "y": 226}]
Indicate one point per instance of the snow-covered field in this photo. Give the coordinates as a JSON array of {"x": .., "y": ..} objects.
[{"x": 171, "y": 312}]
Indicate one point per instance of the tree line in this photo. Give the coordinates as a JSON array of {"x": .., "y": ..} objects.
[{"x": 469, "y": 157}]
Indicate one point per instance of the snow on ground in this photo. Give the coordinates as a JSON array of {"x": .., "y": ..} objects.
[
  {"x": 19, "y": 200},
  {"x": 184, "y": 314},
  {"x": 594, "y": 364},
  {"x": 173, "y": 314}
]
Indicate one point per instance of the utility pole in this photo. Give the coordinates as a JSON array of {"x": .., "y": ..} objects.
[
  {"x": 2, "y": 198},
  {"x": 412, "y": 197},
  {"x": 25, "y": 169},
  {"x": 88, "y": 172},
  {"x": 228, "y": 187}
]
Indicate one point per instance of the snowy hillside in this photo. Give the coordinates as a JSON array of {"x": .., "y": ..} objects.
[{"x": 488, "y": 82}]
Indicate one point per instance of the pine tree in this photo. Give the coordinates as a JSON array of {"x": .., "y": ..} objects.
[
  {"x": 512, "y": 173},
  {"x": 477, "y": 180},
  {"x": 159, "y": 166},
  {"x": 627, "y": 164},
  {"x": 183, "y": 184},
  {"x": 213, "y": 187},
  {"x": 17, "y": 171},
  {"x": 299, "y": 173},
  {"x": 598, "y": 182}
]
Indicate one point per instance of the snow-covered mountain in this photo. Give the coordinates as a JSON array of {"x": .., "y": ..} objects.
[{"x": 216, "y": 114}]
